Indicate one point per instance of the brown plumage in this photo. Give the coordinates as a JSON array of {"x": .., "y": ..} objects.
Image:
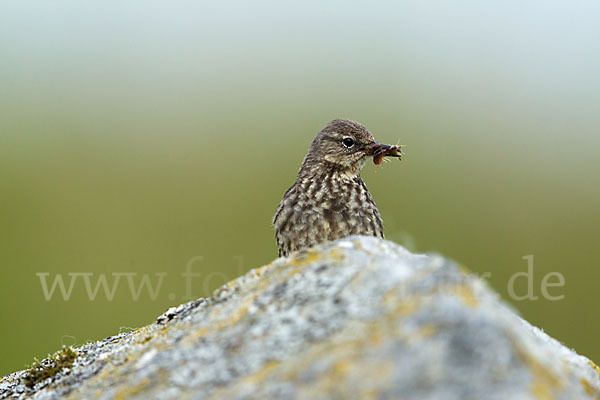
[{"x": 329, "y": 200}]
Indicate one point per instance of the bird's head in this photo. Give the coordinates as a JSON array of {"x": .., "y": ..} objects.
[{"x": 344, "y": 145}]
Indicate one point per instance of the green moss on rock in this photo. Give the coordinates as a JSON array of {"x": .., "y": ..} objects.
[{"x": 42, "y": 370}]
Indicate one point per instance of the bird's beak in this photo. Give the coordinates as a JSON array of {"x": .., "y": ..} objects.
[{"x": 378, "y": 151}]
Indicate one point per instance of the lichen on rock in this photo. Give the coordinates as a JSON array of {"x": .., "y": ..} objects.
[
  {"x": 47, "y": 368},
  {"x": 357, "y": 318}
]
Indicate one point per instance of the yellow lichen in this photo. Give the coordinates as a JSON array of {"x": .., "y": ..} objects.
[
  {"x": 306, "y": 257},
  {"x": 336, "y": 254},
  {"x": 541, "y": 391},
  {"x": 231, "y": 284},
  {"x": 340, "y": 369},
  {"x": 400, "y": 306},
  {"x": 595, "y": 367},
  {"x": 586, "y": 385},
  {"x": 261, "y": 270},
  {"x": 465, "y": 292},
  {"x": 263, "y": 373},
  {"x": 126, "y": 392},
  {"x": 376, "y": 337},
  {"x": 107, "y": 371},
  {"x": 240, "y": 312},
  {"x": 545, "y": 382},
  {"x": 427, "y": 330},
  {"x": 217, "y": 324}
]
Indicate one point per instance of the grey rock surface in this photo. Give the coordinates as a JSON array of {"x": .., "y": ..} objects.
[{"x": 360, "y": 318}]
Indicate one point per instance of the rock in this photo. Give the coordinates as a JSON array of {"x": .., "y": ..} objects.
[{"x": 356, "y": 319}]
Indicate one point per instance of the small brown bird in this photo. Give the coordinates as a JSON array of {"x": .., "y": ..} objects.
[{"x": 329, "y": 200}]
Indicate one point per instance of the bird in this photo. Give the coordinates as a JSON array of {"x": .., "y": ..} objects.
[{"x": 329, "y": 200}]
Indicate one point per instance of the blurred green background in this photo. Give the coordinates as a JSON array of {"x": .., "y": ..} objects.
[{"x": 135, "y": 136}]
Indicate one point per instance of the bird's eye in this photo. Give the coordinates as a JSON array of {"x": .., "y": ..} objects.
[{"x": 348, "y": 142}]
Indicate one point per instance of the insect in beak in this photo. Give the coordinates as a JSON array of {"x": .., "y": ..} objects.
[{"x": 379, "y": 151}]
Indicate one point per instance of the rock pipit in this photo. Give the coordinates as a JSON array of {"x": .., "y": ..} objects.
[{"x": 329, "y": 200}]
